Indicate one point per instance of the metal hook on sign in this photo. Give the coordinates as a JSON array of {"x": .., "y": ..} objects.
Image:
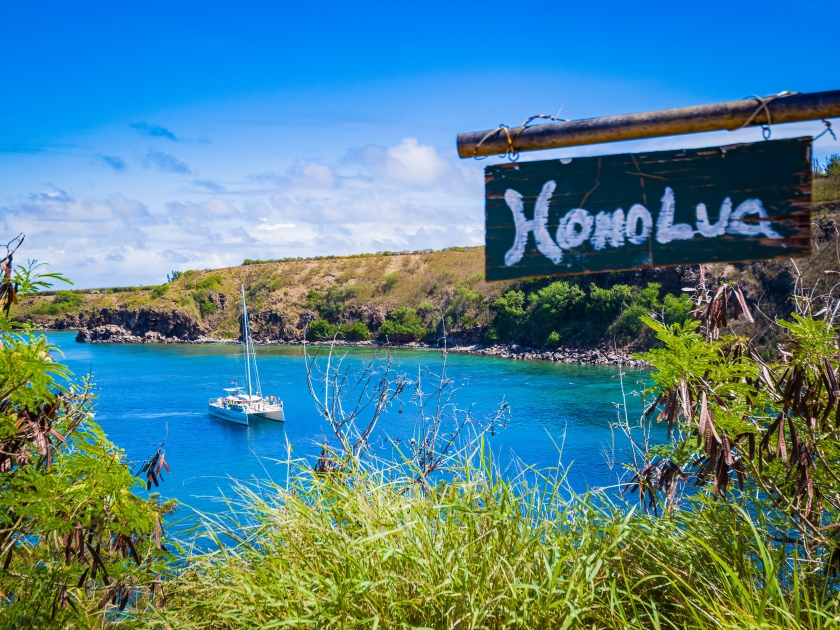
[{"x": 828, "y": 129}]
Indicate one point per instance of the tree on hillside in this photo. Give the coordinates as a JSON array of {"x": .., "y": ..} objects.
[{"x": 831, "y": 166}]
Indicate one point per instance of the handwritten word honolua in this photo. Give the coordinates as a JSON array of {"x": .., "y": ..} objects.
[{"x": 615, "y": 228}]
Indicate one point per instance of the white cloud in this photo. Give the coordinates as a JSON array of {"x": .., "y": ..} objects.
[
  {"x": 269, "y": 227},
  {"x": 412, "y": 164},
  {"x": 402, "y": 197}
]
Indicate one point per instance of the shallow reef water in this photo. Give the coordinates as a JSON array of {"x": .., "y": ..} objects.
[{"x": 148, "y": 392}]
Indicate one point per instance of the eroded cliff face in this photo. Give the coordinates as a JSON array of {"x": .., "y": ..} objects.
[
  {"x": 153, "y": 326},
  {"x": 271, "y": 326},
  {"x": 110, "y": 324}
]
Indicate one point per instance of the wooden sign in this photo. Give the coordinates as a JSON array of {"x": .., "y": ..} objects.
[{"x": 634, "y": 211}]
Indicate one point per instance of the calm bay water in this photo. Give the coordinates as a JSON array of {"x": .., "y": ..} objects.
[{"x": 147, "y": 390}]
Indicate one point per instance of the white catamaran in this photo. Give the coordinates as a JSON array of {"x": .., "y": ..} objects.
[{"x": 238, "y": 406}]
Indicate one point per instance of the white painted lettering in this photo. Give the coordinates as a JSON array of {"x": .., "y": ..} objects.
[
  {"x": 666, "y": 231},
  {"x": 638, "y": 213},
  {"x": 568, "y": 234},
  {"x": 747, "y": 208},
  {"x": 613, "y": 228},
  {"x": 711, "y": 230},
  {"x": 609, "y": 228},
  {"x": 538, "y": 225}
]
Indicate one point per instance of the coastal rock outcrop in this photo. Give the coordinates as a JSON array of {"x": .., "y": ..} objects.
[
  {"x": 586, "y": 356},
  {"x": 117, "y": 326},
  {"x": 110, "y": 333},
  {"x": 126, "y": 326}
]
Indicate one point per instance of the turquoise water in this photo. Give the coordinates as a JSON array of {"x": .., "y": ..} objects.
[{"x": 147, "y": 392}]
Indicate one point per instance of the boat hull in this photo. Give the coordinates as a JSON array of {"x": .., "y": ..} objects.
[
  {"x": 231, "y": 415},
  {"x": 275, "y": 413},
  {"x": 271, "y": 414}
]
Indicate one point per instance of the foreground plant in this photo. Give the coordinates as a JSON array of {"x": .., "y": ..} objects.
[
  {"x": 75, "y": 541},
  {"x": 476, "y": 550}
]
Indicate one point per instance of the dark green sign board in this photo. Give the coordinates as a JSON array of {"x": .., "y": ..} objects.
[{"x": 633, "y": 211}]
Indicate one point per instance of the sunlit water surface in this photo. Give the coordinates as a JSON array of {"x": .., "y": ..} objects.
[{"x": 148, "y": 392}]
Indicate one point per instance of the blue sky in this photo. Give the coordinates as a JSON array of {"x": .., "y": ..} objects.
[{"x": 141, "y": 137}]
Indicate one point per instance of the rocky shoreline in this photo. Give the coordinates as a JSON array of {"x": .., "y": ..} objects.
[{"x": 110, "y": 333}]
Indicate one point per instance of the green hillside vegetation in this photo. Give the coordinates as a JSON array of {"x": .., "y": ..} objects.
[
  {"x": 62, "y": 302},
  {"x": 345, "y": 290},
  {"x": 827, "y": 189},
  {"x": 401, "y": 297},
  {"x": 398, "y": 297}
]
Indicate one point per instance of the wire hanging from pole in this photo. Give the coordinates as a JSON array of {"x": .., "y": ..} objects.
[
  {"x": 762, "y": 106},
  {"x": 512, "y": 154},
  {"x": 827, "y": 129}
]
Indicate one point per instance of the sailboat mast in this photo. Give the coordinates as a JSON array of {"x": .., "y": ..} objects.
[{"x": 246, "y": 338}]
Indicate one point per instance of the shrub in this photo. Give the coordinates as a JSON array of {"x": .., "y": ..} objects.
[
  {"x": 510, "y": 311},
  {"x": 628, "y": 326},
  {"x": 649, "y": 296},
  {"x": 211, "y": 282},
  {"x": 426, "y": 309},
  {"x": 403, "y": 324},
  {"x": 677, "y": 308},
  {"x": 491, "y": 336},
  {"x": 832, "y": 165},
  {"x": 314, "y": 299},
  {"x": 467, "y": 303},
  {"x": 68, "y": 298},
  {"x": 608, "y": 303},
  {"x": 389, "y": 281},
  {"x": 206, "y": 306},
  {"x": 72, "y": 525},
  {"x": 535, "y": 311},
  {"x": 553, "y": 340},
  {"x": 258, "y": 286},
  {"x": 62, "y": 302},
  {"x": 320, "y": 329},
  {"x": 553, "y": 306},
  {"x": 357, "y": 332},
  {"x": 160, "y": 291},
  {"x": 330, "y": 305}
]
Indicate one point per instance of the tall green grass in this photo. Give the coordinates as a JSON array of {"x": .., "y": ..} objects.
[
  {"x": 826, "y": 189},
  {"x": 372, "y": 549}
]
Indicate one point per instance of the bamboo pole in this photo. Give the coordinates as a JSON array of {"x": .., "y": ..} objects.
[{"x": 782, "y": 108}]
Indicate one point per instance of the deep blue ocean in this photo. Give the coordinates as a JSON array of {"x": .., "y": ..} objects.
[{"x": 148, "y": 392}]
